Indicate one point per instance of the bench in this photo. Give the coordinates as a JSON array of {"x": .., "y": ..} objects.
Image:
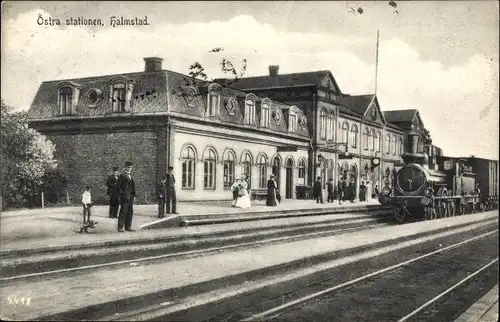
[{"x": 258, "y": 194}]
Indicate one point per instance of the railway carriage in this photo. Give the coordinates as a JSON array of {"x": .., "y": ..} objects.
[{"x": 441, "y": 187}]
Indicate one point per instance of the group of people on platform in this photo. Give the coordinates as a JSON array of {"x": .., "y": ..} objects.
[
  {"x": 241, "y": 193},
  {"x": 345, "y": 190}
]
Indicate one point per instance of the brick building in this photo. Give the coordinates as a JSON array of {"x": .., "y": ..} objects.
[{"x": 209, "y": 133}]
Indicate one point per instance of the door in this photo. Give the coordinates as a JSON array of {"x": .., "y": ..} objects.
[
  {"x": 289, "y": 179},
  {"x": 276, "y": 171}
]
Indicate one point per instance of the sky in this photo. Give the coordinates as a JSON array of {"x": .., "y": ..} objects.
[{"x": 438, "y": 57}]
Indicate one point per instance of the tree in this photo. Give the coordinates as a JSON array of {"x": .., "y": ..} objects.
[{"x": 26, "y": 157}]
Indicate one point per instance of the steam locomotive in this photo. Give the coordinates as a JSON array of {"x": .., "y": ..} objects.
[{"x": 445, "y": 187}]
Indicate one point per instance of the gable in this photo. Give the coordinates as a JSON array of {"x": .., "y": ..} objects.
[
  {"x": 330, "y": 83},
  {"x": 374, "y": 114},
  {"x": 417, "y": 121}
]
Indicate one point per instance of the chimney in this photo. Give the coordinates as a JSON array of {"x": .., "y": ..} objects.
[
  {"x": 152, "y": 64},
  {"x": 273, "y": 70}
]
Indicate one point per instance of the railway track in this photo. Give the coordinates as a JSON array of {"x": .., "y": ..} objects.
[
  {"x": 274, "y": 298},
  {"x": 73, "y": 261},
  {"x": 373, "y": 301}
]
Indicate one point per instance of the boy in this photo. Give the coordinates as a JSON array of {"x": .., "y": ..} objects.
[{"x": 87, "y": 204}]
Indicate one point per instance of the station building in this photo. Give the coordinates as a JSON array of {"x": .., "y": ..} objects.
[
  {"x": 209, "y": 133},
  {"x": 350, "y": 135}
]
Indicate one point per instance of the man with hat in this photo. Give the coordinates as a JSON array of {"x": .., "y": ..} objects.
[
  {"x": 126, "y": 186},
  {"x": 171, "y": 197},
  {"x": 113, "y": 193},
  {"x": 161, "y": 193}
]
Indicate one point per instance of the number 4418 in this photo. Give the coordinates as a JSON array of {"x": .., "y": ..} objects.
[{"x": 13, "y": 299}]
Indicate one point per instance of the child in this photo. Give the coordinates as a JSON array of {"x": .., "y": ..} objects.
[{"x": 87, "y": 204}]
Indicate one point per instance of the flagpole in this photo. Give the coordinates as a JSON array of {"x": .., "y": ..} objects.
[{"x": 376, "y": 64}]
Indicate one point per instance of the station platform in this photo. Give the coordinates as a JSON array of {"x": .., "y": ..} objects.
[
  {"x": 484, "y": 310},
  {"x": 44, "y": 226}
]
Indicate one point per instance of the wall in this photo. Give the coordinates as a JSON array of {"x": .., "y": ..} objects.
[
  {"x": 88, "y": 158},
  {"x": 182, "y": 137}
]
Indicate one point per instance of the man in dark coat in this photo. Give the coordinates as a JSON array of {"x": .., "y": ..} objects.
[
  {"x": 352, "y": 190},
  {"x": 126, "y": 186},
  {"x": 113, "y": 193},
  {"x": 161, "y": 192},
  {"x": 341, "y": 191},
  {"x": 318, "y": 191},
  {"x": 331, "y": 195},
  {"x": 171, "y": 197}
]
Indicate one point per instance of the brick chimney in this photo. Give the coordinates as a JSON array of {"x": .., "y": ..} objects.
[
  {"x": 152, "y": 64},
  {"x": 273, "y": 70}
]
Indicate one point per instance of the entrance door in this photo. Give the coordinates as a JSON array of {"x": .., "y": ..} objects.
[
  {"x": 289, "y": 179},
  {"x": 276, "y": 171}
]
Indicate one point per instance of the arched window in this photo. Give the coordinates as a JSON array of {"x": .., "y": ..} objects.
[
  {"x": 401, "y": 146},
  {"x": 228, "y": 163},
  {"x": 188, "y": 159},
  {"x": 345, "y": 132},
  {"x": 118, "y": 97},
  {"x": 209, "y": 162},
  {"x": 246, "y": 167},
  {"x": 292, "y": 124},
  {"x": 213, "y": 103},
  {"x": 262, "y": 166},
  {"x": 302, "y": 171},
  {"x": 371, "y": 139},
  {"x": 393, "y": 145},
  {"x": 265, "y": 115},
  {"x": 323, "y": 124},
  {"x": 332, "y": 126},
  {"x": 378, "y": 135},
  {"x": 250, "y": 111},
  {"x": 354, "y": 136},
  {"x": 365, "y": 138},
  {"x": 387, "y": 145},
  {"x": 65, "y": 100}
]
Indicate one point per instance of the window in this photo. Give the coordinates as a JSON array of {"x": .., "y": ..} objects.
[
  {"x": 262, "y": 166},
  {"x": 292, "y": 125},
  {"x": 387, "y": 145},
  {"x": 209, "y": 162},
  {"x": 250, "y": 111},
  {"x": 377, "y": 140},
  {"x": 65, "y": 100},
  {"x": 332, "y": 126},
  {"x": 302, "y": 171},
  {"x": 188, "y": 160},
  {"x": 354, "y": 136},
  {"x": 401, "y": 146},
  {"x": 265, "y": 115},
  {"x": 371, "y": 139},
  {"x": 118, "y": 97},
  {"x": 393, "y": 145},
  {"x": 228, "y": 169},
  {"x": 323, "y": 124},
  {"x": 345, "y": 133},
  {"x": 213, "y": 103},
  {"x": 365, "y": 138},
  {"x": 246, "y": 167}
]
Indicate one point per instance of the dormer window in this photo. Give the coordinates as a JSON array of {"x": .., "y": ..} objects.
[
  {"x": 118, "y": 97},
  {"x": 67, "y": 99},
  {"x": 265, "y": 115},
  {"x": 250, "y": 109},
  {"x": 292, "y": 124},
  {"x": 120, "y": 94},
  {"x": 213, "y": 100}
]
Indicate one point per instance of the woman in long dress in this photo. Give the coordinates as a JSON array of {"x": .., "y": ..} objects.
[
  {"x": 271, "y": 192},
  {"x": 243, "y": 200}
]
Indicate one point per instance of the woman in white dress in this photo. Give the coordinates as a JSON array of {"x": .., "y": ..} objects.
[{"x": 243, "y": 200}]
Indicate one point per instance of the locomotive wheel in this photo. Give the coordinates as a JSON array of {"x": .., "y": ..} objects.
[{"x": 399, "y": 214}]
